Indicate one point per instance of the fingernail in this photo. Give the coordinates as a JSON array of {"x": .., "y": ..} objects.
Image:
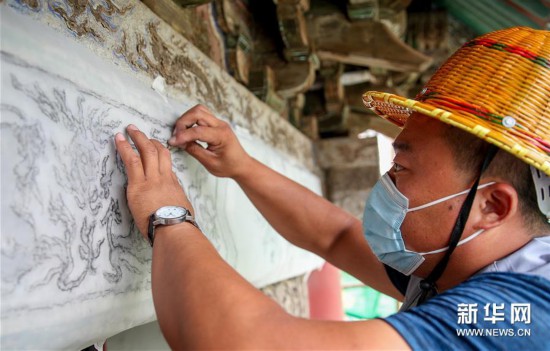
[
  {"x": 174, "y": 131},
  {"x": 119, "y": 137},
  {"x": 172, "y": 140},
  {"x": 132, "y": 127}
]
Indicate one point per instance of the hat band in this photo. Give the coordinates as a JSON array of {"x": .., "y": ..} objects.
[
  {"x": 513, "y": 49},
  {"x": 455, "y": 104},
  {"x": 447, "y": 103}
]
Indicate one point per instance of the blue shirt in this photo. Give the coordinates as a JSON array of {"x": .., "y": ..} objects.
[{"x": 504, "y": 307}]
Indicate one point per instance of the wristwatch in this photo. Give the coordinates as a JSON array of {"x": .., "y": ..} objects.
[{"x": 168, "y": 215}]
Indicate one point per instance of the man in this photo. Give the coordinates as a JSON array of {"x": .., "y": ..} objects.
[{"x": 455, "y": 228}]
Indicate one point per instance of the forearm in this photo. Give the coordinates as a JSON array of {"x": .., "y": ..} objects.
[
  {"x": 200, "y": 301},
  {"x": 298, "y": 214},
  {"x": 313, "y": 223},
  {"x": 203, "y": 303}
]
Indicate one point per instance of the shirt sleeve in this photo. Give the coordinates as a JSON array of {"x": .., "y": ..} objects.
[{"x": 491, "y": 311}]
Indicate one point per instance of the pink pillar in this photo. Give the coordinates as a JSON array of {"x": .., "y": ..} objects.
[{"x": 325, "y": 294}]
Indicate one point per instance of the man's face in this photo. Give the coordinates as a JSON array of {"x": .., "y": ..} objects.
[{"x": 424, "y": 171}]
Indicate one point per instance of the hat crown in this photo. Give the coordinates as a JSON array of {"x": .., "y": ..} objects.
[
  {"x": 496, "y": 86},
  {"x": 501, "y": 74}
]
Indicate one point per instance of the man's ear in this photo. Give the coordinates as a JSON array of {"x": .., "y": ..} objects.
[{"x": 497, "y": 204}]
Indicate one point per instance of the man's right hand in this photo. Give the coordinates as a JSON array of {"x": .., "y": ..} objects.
[
  {"x": 224, "y": 156},
  {"x": 302, "y": 217}
]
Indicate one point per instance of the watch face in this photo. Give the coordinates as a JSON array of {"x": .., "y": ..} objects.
[{"x": 171, "y": 212}]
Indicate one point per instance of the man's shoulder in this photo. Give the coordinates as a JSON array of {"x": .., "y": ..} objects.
[
  {"x": 496, "y": 288},
  {"x": 500, "y": 304},
  {"x": 495, "y": 280},
  {"x": 532, "y": 258}
]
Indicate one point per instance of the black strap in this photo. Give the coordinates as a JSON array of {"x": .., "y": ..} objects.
[
  {"x": 151, "y": 229},
  {"x": 398, "y": 279},
  {"x": 428, "y": 285}
]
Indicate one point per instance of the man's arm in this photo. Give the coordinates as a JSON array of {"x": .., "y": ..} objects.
[
  {"x": 200, "y": 301},
  {"x": 299, "y": 215},
  {"x": 315, "y": 224}
]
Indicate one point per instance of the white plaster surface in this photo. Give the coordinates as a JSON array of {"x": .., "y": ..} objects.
[{"x": 74, "y": 269}]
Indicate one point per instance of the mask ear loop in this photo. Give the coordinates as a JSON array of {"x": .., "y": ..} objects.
[{"x": 428, "y": 285}]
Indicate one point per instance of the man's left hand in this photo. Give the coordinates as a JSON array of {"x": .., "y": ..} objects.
[{"x": 151, "y": 181}]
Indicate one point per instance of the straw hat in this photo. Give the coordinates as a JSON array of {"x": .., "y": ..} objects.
[{"x": 496, "y": 87}]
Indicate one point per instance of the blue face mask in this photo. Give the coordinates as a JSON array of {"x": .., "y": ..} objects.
[{"x": 385, "y": 211}]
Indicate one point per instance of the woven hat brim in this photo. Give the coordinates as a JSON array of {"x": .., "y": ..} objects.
[{"x": 397, "y": 110}]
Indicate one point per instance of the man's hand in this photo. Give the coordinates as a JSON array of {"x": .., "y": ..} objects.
[
  {"x": 151, "y": 181},
  {"x": 224, "y": 156}
]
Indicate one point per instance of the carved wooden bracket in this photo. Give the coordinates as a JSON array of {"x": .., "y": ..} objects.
[
  {"x": 294, "y": 77},
  {"x": 295, "y": 109},
  {"x": 196, "y": 23},
  {"x": 293, "y": 28},
  {"x": 362, "y": 10},
  {"x": 235, "y": 21},
  {"x": 279, "y": 49},
  {"x": 262, "y": 83},
  {"x": 362, "y": 43}
]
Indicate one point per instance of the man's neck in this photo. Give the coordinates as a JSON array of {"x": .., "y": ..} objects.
[{"x": 466, "y": 262}]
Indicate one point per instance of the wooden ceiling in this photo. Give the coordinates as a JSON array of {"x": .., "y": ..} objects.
[{"x": 311, "y": 60}]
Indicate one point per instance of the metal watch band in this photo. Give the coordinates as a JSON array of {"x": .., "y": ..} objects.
[{"x": 151, "y": 226}]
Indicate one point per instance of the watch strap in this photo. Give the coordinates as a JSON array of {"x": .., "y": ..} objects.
[
  {"x": 151, "y": 226},
  {"x": 190, "y": 219},
  {"x": 151, "y": 229}
]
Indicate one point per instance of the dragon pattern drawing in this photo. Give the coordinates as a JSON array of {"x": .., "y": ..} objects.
[
  {"x": 68, "y": 186},
  {"x": 68, "y": 241}
]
